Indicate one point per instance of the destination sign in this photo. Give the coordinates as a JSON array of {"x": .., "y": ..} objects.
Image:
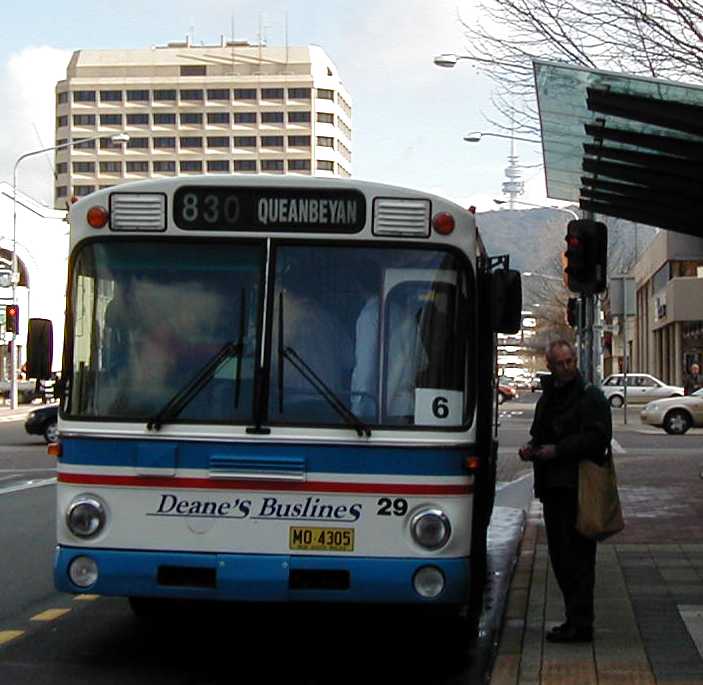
[{"x": 295, "y": 210}]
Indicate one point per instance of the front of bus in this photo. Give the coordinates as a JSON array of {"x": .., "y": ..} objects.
[{"x": 270, "y": 393}]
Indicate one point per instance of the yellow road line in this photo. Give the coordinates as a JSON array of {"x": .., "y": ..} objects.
[
  {"x": 49, "y": 614},
  {"x": 85, "y": 598},
  {"x": 7, "y": 635}
]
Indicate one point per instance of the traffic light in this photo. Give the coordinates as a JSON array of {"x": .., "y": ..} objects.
[
  {"x": 586, "y": 256},
  {"x": 12, "y": 318}
]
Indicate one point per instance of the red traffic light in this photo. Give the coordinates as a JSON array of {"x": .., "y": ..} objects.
[{"x": 12, "y": 318}]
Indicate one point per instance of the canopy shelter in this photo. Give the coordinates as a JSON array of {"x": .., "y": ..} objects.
[{"x": 623, "y": 146}]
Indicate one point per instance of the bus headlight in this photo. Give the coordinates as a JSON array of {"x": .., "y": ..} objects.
[
  {"x": 83, "y": 572},
  {"x": 430, "y": 528},
  {"x": 85, "y": 516}
]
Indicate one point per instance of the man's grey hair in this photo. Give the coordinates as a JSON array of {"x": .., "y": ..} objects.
[{"x": 561, "y": 342}]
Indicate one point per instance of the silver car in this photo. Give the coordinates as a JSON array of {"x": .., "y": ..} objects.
[
  {"x": 641, "y": 388},
  {"x": 675, "y": 414}
]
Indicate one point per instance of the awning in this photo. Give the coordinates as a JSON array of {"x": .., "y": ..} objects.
[{"x": 623, "y": 146}]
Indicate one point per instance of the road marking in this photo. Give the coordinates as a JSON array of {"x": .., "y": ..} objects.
[
  {"x": 28, "y": 485},
  {"x": 49, "y": 615},
  {"x": 692, "y": 616},
  {"x": 617, "y": 447},
  {"x": 7, "y": 635}
]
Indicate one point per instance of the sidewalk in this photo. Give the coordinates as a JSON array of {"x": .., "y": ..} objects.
[{"x": 649, "y": 591}]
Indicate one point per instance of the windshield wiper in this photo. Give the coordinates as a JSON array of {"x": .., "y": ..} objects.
[
  {"x": 350, "y": 418},
  {"x": 183, "y": 397}
]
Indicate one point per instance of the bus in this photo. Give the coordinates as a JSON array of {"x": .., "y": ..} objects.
[{"x": 278, "y": 389}]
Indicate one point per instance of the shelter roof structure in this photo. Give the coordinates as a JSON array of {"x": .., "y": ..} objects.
[{"x": 623, "y": 146}]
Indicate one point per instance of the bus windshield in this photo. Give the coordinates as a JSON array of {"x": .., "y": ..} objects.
[
  {"x": 383, "y": 329},
  {"x": 148, "y": 316}
]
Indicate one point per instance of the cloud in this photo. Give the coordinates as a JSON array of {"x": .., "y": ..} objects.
[{"x": 27, "y": 118}]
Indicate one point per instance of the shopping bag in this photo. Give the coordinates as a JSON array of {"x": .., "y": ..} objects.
[{"x": 599, "y": 511}]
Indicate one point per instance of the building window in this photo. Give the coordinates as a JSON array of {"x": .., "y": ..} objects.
[
  {"x": 245, "y": 165},
  {"x": 299, "y": 93},
  {"x": 164, "y": 118},
  {"x": 83, "y": 96},
  {"x": 218, "y": 141},
  {"x": 272, "y": 93},
  {"x": 218, "y": 166},
  {"x": 165, "y": 94},
  {"x": 110, "y": 144},
  {"x": 325, "y": 141},
  {"x": 140, "y": 143},
  {"x": 218, "y": 118},
  {"x": 137, "y": 96},
  {"x": 245, "y": 93},
  {"x": 271, "y": 165},
  {"x": 298, "y": 117},
  {"x": 138, "y": 119},
  {"x": 271, "y": 117},
  {"x": 193, "y": 70},
  {"x": 298, "y": 165},
  {"x": 245, "y": 117},
  {"x": 161, "y": 142},
  {"x": 168, "y": 167},
  {"x": 83, "y": 167},
  {"x": 325, "y": 94},
  {"x": 110, "y": 96},
  {"x": 271, "y": 141},
  {"x": 137, "y": 167},
  {"x": 62, "y": 168},
  {"x": 218, "y": 94},
  {"x": 190, "y": 142},
  {"x": 191, "y": 118},
  {"x": 111, "y": 120},
  {"x": 85, "y": 145},
  {"x": 110, "y": 167},
  {"x": 324, "y": 165},
  {"x": 82, "y": 191},
  {"x": 60, "y": 191},
  {"x": 325, "y": 118},
  {"x": 191, "y": 94},
  {"x": 298, "y": 141},
  {"x": 61, "y": 121},
  {"x": 244, "y": 141},
  {"x": 191, "y": 165},
  {"x": 62, "y": 98},
  {"x": 84, "y": 119}
]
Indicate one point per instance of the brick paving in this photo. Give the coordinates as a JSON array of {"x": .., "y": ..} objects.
[{"x": 649, "y": 590}]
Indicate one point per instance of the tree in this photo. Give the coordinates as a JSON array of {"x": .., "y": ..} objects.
[{"x": 655, "y": 38}]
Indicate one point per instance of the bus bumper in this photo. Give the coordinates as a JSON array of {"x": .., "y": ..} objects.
[{"x": 261, "y": 578}]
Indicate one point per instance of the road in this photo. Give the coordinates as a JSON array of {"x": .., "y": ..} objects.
[{"x": 46, "y": 637}]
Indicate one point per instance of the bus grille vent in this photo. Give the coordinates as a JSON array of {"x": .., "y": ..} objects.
[
  {"x": 138, "y": 212},
  {"x": 400, "y": 217}
]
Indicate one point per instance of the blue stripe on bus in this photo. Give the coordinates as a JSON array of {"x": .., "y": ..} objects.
[
  {"x": 262, "y": 578},
  {"x": 343, "y": 459}
]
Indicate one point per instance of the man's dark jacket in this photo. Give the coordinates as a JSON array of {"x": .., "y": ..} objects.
[{"x": 574, "y": 417}]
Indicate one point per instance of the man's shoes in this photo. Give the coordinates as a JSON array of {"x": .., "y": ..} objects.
[{"x": 569, "y": 633}]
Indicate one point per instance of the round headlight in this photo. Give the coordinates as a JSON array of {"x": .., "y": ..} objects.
[
  {"x": 85, "y": 517},
  {"x": 83, "y": 572},
  {"x": 428, "y": 582},
  {"x": 430, "y": 528}
]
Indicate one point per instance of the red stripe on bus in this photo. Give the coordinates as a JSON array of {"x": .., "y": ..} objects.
[{"x": 221, "y": 484}]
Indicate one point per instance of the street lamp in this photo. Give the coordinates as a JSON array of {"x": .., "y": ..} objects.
[
  {"x": 475, "y": 137},
  {"x": 449, "y": 60},
  {"x": 531, "y": 204},
  {"x": 14, "y": 276}
]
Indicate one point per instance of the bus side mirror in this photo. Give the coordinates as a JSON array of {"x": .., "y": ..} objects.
[
  {"x": 506, "y": 301},
  {"x": 40, "y": 348}
]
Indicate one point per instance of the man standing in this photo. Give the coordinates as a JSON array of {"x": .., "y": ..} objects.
[
  {"x": 572, "y": 422},
  {"x": 694, "y": 380}
]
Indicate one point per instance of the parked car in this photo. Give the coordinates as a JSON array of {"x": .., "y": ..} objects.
[
  {"x": 26, "y": 391},
  {"x": 641, "y": 388},
  {"x": 675, "y": 414},
  {"x": 44, "y": 421},
  {"x": 506, "y": 392},
  {"x": 536, "y": 382}
]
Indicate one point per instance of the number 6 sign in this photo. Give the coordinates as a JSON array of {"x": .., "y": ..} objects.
[{"x": 438, "y": 407}]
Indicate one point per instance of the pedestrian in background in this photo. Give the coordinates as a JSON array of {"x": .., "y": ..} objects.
[
  {"x": 572, "y": 422},
  {"x": 694, "y": 379}
]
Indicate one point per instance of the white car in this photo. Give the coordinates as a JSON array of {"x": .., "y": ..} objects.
[
  {"x": 641, "y": 388},
  {"x": 675, "y": 414}
]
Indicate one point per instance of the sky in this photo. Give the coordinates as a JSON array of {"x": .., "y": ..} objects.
[{"x": 409, "y": 116}]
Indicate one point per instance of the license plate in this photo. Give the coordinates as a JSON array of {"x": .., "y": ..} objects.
[{"x": 321, "y": 539}]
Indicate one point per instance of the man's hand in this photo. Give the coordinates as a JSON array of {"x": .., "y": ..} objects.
[
  {"x": 545, "y": 453},
  {"x": 526, "y": 452}
]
